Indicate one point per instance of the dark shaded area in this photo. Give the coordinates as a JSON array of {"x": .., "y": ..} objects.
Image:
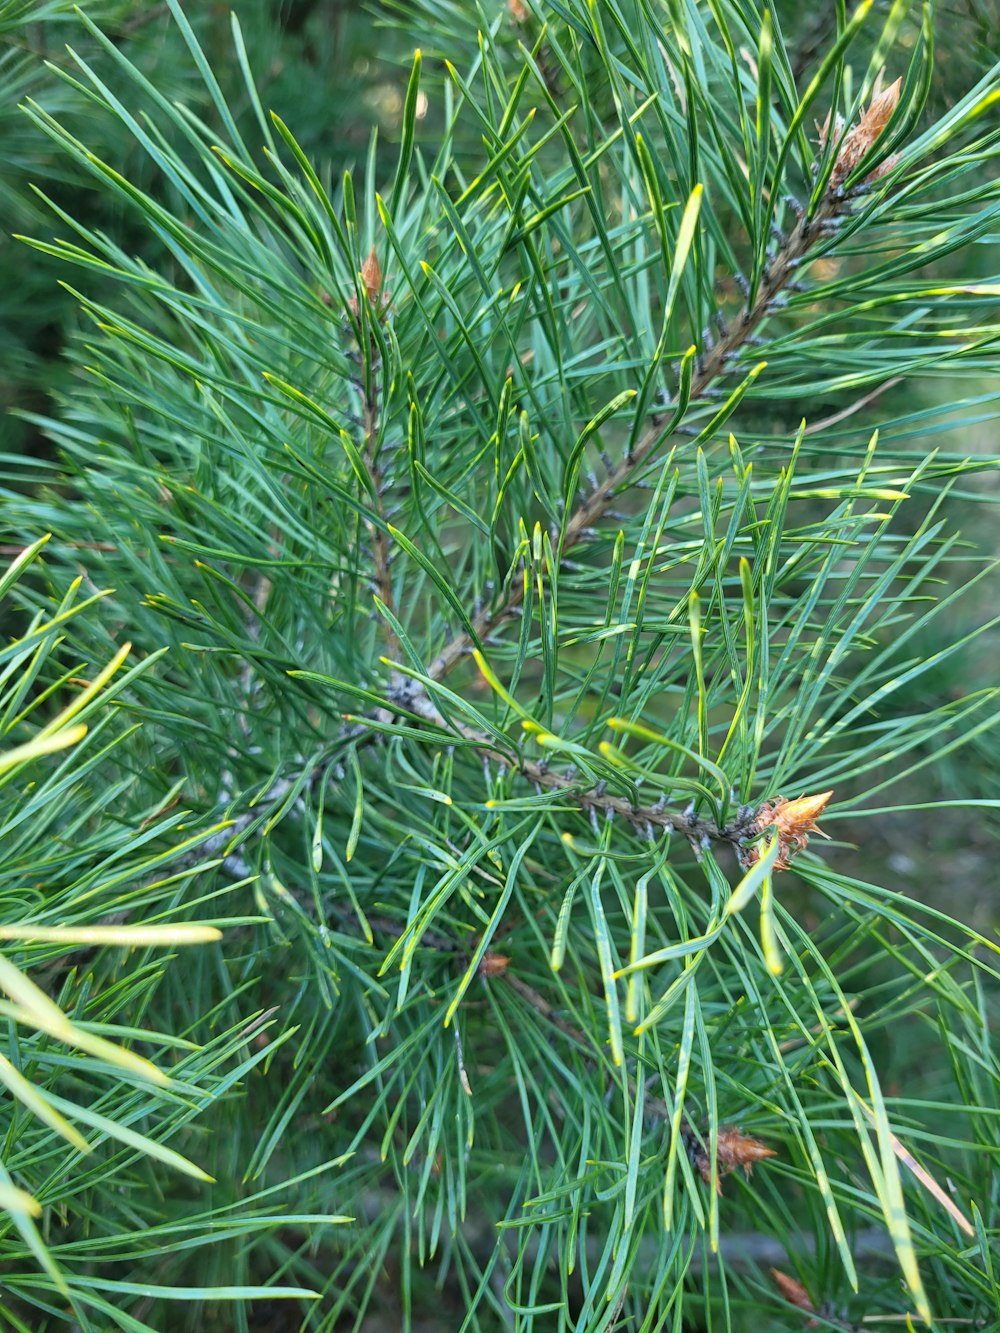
[{"x": 323, "y": 64}]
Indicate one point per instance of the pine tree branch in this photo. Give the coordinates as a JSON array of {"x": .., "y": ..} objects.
[
  {"x": 380, "y": 546},
  {"x": 646, "y": 818},
  {"x": 817, "y": 427},
  {"x": 596, "y": 800},
  {"x": 734, "y": 1148},
  {"x": 778, "y": 275}
]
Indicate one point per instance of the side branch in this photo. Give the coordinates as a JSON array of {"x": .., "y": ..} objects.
[
  {"x": 717, "y": 363},
  {"x": 734, "y": 1149},
  {"x": 648, "y": 819},
  {"x": 778, "y": 275},
  {"x": 381, "y": 548},
  {"x": 368, "y": 385}
]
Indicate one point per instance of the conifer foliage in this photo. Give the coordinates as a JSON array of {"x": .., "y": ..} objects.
[{"x": 539, "y": 539}]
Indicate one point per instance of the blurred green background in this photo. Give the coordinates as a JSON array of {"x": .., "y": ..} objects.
[{"x": 329, "y": 67}]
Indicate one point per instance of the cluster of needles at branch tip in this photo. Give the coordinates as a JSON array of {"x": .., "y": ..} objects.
[
  {"x": 795, "y": 819},
  {"x": 734, "y": 1150}
]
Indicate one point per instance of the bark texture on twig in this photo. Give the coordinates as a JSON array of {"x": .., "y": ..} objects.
[{"x": 715, "y": 365}]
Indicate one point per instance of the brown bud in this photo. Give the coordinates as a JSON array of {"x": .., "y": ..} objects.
[
  {"x": 792, "y": 1290},
  {"x": 518, "y": 12},
  {"x": 493, "y": 964},
  {"x": 880, "y": 110},
  {"x": 859, "y": 140},
  {"x": 798, "y": 817},
  {"x": 793, "y": 820},
  {"x": 737, "y": 1149},
  {"x": 371, "y": 276},
  {"x": 733, "y": 1149}
]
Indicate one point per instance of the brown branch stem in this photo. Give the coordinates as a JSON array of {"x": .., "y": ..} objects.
[
  {"x": 381, "y": 549},
  {"x": 646, "y": 818},
  {"x": 654, "y": 1107},
  {"x": 643, "y": 817},
  {"x": 816, "y": 427},
  {"x": 715, "y": 365}
]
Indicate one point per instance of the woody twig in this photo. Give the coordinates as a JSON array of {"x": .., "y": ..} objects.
[
  {"x": 718, "y": 361},
  {"x": 369, "y": 385},
  {"x": 734, "y": 1149}
]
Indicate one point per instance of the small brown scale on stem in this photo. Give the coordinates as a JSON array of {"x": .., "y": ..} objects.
[{"x": 733, "y": 1149}]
